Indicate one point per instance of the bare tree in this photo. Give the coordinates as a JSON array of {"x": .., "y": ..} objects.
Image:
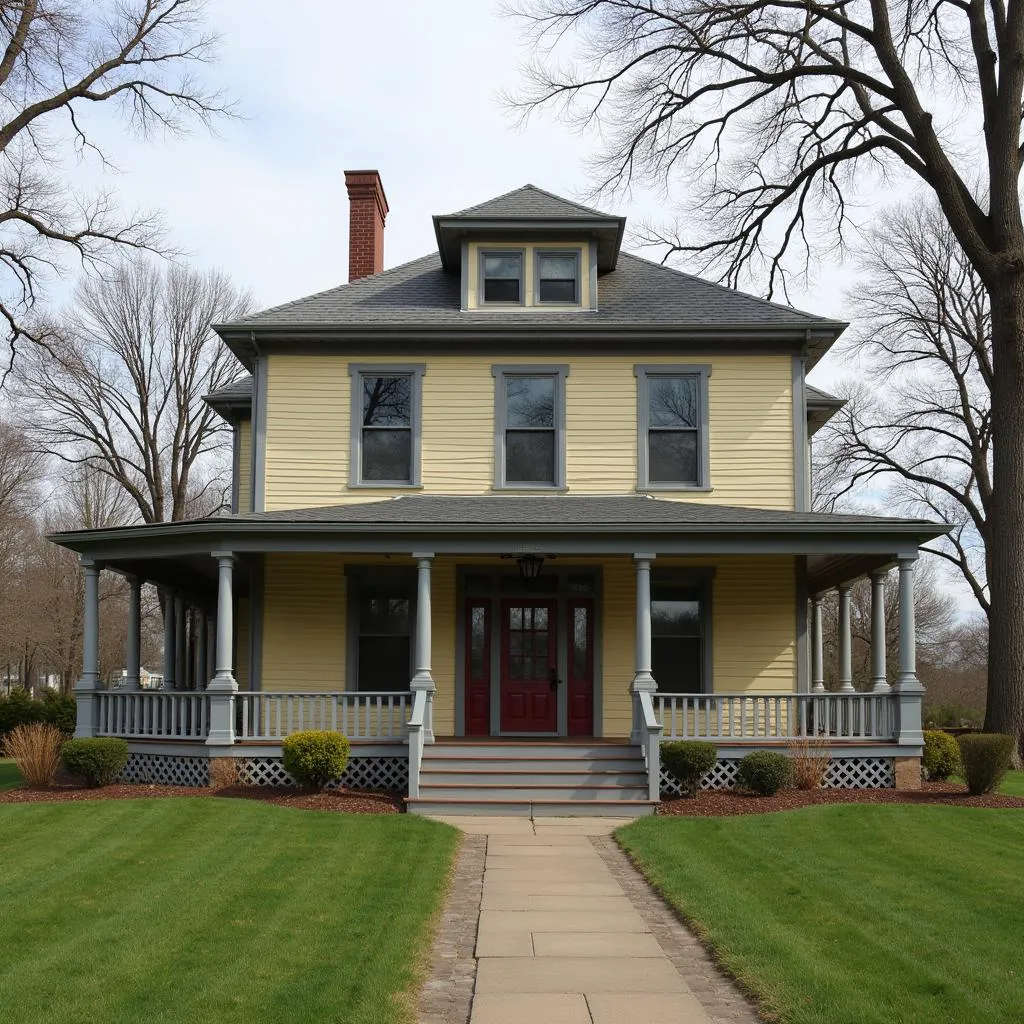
[
  {"x": 775, "y": 118},
  {"x": 59, "y": 60},
  {"x": 120, "y": 387},
  {"x": 918, "y": 422}
]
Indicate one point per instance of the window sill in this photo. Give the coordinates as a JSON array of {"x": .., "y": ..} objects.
[
  {"x": 530, "y": 489},
  {"x": 383, "y": 485},
  {"x": 674, "y": 489}
]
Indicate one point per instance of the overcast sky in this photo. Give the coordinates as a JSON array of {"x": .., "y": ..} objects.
[{"x": 410, "y": 88}]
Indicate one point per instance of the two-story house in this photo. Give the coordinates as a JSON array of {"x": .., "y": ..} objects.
[{"x": 508, "y": 515}]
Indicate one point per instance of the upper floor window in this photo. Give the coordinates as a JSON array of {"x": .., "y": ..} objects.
[
  {"x": 558, "y": 278},
  {"x": 386, "y": 418},
  {"x": 529, "y": 426},
  {"x": 672, "y": 417},
  {"x": 502, "y": 274}
]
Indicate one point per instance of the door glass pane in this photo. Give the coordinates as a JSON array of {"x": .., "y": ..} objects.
[
  {"x": 477, "y": 641},
  {"x": 530, "y": 401},
  {"x": 673, "y": 401},
  {"x": 516, "y": 618},
  {"x": 387, "y": 455},
  {"x": 672, "y": 456},
  {"x": 580, "y": 638},
  {"x": 387, "y": 401},
  {"x": 540, "y": 618},
  {"x": 530, "y": 456}
]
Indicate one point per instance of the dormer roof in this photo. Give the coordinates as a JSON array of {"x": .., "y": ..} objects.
[{"x": 528, "y": 211}]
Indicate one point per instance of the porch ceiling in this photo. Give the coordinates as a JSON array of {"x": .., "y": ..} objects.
[{"x": 193, "y": 576}]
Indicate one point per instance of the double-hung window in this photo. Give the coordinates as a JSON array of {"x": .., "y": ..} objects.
[
  {"x": 558, "y": 278},
  {"x": 381, "y": 621},
  {"x": 386, "y": 418},
  {"x": 529, "y": 426},
  {"x": 672, "y": 417},
  {"x": 502, "y": 276},
  {"x": 678, "y": 643}
]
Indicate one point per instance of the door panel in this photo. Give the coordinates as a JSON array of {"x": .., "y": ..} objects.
[
  {"x": 478, "y": 668},
  {"x": 529, "y": 666},
  {"x": 580, "y": 645}
]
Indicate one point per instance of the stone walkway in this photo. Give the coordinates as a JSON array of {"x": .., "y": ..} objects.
[{"x": 568, "y": 933}]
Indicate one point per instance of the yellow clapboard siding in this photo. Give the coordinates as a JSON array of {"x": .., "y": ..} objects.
[
  {"x": 303, "y": 623},
  {"x": 443, "y": 616},
  {"x": 242, "y": 642},
  {"x": 245, "y": 466},
  {"x": 750, "y": 416}
]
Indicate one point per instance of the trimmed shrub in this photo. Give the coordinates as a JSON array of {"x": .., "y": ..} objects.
[
  {"x": 985, "y": 757},
  {"x": 765, "y": 772},
  {"x": 98, "y": 761},
  {"x": 809, "y": 759},
  {"x": 314, "y": 757},
  {"x": 688, "y": 761},
  {"x": 18, "y": 708},
  {"x": 59, "y": 710},
  {"x": 941, "y": 757},
  {"x": 36, "y": 751}
]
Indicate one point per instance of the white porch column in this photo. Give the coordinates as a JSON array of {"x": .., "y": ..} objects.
[
  {"x": 169, "y": 639},
  {"x": 845, "y": 640},
  {"x": 180, "y": 654},
  {"x": 643, "y": 680},
  {"x": 89, "y": 683},
  {"x": 222, "y": 687},
  {"x": 422, "y": 679},
  {"x": 133, "y": 647},
  {"x": 817, "y": 647},
  {"x": 909, "y": 691},
  {"x": 878, "y": 680}
]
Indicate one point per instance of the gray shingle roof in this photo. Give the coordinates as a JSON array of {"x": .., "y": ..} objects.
[
  {"x": 638, "y": 293},
  {"x": 567, "y": 511},
  {"x": 822, "y": 397},
  {"x": 240, "y": 390},
  {"x": 528, "y": 203}
]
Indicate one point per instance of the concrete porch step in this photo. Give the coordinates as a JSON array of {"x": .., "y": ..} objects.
[
  {"x": 532, "y": 808},
  {"x": 531, "y": 749},
  {"x": 510, "y": 762},
  {"x": 531, "y": 791},
  {"x": 575, "y": 776}
]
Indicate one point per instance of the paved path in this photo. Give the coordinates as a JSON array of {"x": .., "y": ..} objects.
[{"x": 564, "y": 937}]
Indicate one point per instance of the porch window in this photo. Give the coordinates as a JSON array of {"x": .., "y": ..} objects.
[
  {"x": 677, "y": 638},
  {"x": 530, "y": 426},
  {"x": 386, "y": 416},
  {"x": 673, "y": 427},
  {"x": 384, "y": 656}
]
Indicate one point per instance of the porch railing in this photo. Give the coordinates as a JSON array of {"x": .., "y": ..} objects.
[
  {"x": 142, "y": 714},
  {"x": 765, "y": 717},
  {"x": 359, "y": 716}
]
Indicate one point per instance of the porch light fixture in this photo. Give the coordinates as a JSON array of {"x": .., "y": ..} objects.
[{"x": 530, "y": 566}]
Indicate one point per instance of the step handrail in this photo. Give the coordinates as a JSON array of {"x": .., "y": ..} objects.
[
  {"x": 415, "y": 730},
  {"x": 650, "y": 735}
]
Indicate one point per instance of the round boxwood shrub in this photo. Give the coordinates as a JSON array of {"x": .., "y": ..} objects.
[
  {"x": 315, "y": 757},
  {"x": 985, "y": 757},
  {"x": 99, "y": 761},
  {"x": 941, "y": 756},
  {"x": 688, "y": 761},
  {"x": 765, "y": 772}
]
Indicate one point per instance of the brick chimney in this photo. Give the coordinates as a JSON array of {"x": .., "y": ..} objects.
[{"x": 368, "y": 206}]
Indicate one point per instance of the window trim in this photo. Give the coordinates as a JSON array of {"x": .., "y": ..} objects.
[
  {"x": 501, "y": 372},
  {"x": 702, "y": 580},
  {"x": 356, "y": 372},
  {"x": 577, "y": 255},
  {"x": 357, "y": 578},
  {"x": 644, "y": 372},
  {"x": 482, "y": 255}
]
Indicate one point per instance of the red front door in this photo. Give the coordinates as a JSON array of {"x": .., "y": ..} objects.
[{"x": 529, "y": 666}]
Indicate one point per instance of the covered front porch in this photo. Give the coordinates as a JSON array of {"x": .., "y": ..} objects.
[{"x": 398, "y": 635}]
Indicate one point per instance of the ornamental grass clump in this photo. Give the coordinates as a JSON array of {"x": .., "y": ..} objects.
[
  {"x": 36, "y": 751},
  {"x": 765, "y": 772},
  {"x": 986, "y": 758},
  {"x": 688, "y": 761},
  {"x": 809, "y": 759},
  {"x": 941, "y": 757},
  {"x": 97, "y": 761},
  {"x": 315, "y": 758}
]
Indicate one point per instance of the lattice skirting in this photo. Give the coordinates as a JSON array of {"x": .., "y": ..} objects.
[
  {"x": 362, "y": 773},
  {"x": 167, "y": 770},
  {"x": 843, "y": 773}
]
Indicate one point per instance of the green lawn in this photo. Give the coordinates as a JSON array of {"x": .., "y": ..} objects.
[
  {"x": 1013, "y": 784},
  {"x": 854, "y": 914},
  {"x": 9, "y": 775},
  {"x": 213, "y": 910}
]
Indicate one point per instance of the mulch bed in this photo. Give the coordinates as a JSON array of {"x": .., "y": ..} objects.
[
  {"x": 342, "y": 800},
  {"x": 714, "y": 803}
]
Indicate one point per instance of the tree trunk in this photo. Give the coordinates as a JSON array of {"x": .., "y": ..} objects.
[{"x": 1005, "y": 707}]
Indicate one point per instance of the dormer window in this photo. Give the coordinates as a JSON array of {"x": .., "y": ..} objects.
[
  {"x": 558, "y": 278},
  {"x": 503, "y": 277}
]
